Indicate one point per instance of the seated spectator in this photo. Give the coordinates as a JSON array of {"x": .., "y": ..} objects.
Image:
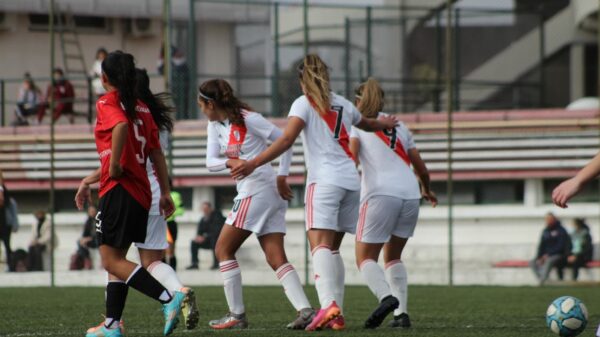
[
  {"x": 83, "y": 258},
  {"x": 41, "y": 242},
  {"x": 207, "y": 234},
  {"x": 62, "y": 93},
  {"x": 582, "y": 251},
  {"x": 29, "y": 101},
  {"x": 553, "y": 249}
]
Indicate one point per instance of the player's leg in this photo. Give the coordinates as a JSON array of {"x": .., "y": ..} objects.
[
  {"x": 230, "y": 240},
  {"x": 272, "y": 246},
  {"x": 115, "y": 298},
  {"x": 170, "y": 257}
]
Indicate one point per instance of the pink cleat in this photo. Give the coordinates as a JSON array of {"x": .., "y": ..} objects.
[{"x": 324, "y": 316}]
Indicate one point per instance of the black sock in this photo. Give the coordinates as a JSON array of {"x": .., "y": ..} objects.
[
  {"x": 142, "y": 281},
  {"x": 173, "y": 262},
  {"x": 116, "y": 295}
]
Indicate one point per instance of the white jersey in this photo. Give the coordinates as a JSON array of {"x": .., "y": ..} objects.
[
  {"x": 163, "y": 136},
  {"x": 326, "y": 142},
  {"x": 385, "y": 164},
  {"x": 231, "y": 141}
]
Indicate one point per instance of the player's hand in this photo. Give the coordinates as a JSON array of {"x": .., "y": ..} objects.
[
  {"x": 565, "y": 191},
  {"x": 431, "y": 197},
  {"x": 284, "y": 189},
  {"x": 388, "y": 121},
  {"x": 83, "y": 195},
  {"x": 242, "y": 169},
  {"x": 167, "y": 206},
  {"x": 1, "y": 198},
  {"x": 115, "y": 170}
]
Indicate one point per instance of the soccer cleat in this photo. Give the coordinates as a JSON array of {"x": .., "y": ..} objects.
[
  {"x": 305, "y": 316},
  {"x": 102, "y": 331},
  {"x": 385, "y": 307},
  {"x": 401, "y": 321},
  {"x": 337, "y": 324},
  {"x": 171, "y": 311},
  {"x": 99, "y": 326},
  {"x": 190, "y": 312},
  {"x": 230, "y": 321},
  {"x": 323, "y": 317}
]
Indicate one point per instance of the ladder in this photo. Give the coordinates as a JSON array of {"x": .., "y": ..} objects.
[{"x": 73, "y": 60}]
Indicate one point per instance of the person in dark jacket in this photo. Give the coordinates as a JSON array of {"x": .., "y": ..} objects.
[
  {"x": 582, "y": 248},
  {"x": 62, "y": 93},
  {"x": 5, "y": 229},
  {"x": 87, "y": 240},
  {"x": 554, "y": 247},
  {"x": 207, "y": 234}
]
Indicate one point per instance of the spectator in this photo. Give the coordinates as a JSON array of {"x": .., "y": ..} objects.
[
  {"x": 207, "y": 234},
  {"x": 582, "y": 251},
  {"x": 41, "y": 242},
  {"x": 96, "y": 72},
  {"x": 5, "y": 229},
  {"x": 172, "y": 230},
  {"x": 28, "y": 102},
  {"x": 553, "y": 249},
  {"x": 87, "y": 241},
  {"x": 62, "y": 93},
  {"x": 180, "y": 81}
]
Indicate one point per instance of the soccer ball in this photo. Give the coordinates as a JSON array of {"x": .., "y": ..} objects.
[{"x": 567, "y": 316}]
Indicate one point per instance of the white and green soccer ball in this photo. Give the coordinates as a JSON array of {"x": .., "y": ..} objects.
[{"x": 567, "y": 316}]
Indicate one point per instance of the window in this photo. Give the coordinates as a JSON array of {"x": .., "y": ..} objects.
[
  {"x": 83, "y": 23},
  {"x": 483, "y": 192}
]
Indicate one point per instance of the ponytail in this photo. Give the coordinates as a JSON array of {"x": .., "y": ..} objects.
[
  {"x": 371, "y": 97},
  {"x": 314, "y": 76},
  {"x": 156, "y": 103},
  {"x": 119, "y": 68},
  {"x": 221, "y": 94}
]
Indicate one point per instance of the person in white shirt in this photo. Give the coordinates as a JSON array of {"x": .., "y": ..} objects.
[
  {"x": 237, "y": 133},
  {"x": 332, "y": 188},
  {"x": 96, "y": 72},
  {"x": 390, "y": 197}
]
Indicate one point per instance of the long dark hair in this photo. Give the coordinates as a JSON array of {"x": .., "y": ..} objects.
[
  {"x": 156, "y": 103},
  {"x": 221, "y": 94},
  {"x": 119, "y": 68}
]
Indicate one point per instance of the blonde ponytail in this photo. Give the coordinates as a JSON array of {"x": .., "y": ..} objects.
[
  {"x": 314, "y": 76},
  {"x": 370, "y": 96}
]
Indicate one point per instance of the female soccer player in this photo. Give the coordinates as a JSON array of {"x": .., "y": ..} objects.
[
  {"x": 235, "y": 132},
  {"x": 332, "y": 191},
  {"x": 151, "y": 251},
  {"x": 126, "y": 136},
  {"x": 390, "y": 197}
]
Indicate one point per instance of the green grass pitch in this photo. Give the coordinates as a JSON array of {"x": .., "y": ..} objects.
[{"x": 435, "y": 311}]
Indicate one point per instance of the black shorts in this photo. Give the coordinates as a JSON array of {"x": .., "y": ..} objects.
[
  {"x": 121, "y": 220},
  {"x": 172, "y": 227}
]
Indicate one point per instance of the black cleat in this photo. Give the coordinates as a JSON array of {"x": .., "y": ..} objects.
[
  {"x": 400, "y": 321},
  {"x": 387, "y": 305}
]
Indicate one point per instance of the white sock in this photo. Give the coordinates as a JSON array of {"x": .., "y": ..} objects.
[
  {"x": 164, "y": 274},
  {"x": 290, "y": 281},
  {"x": 375, "y": 278},
  {"x": 232, "y": 281},
  {"x": 340, "y": 278},
  {"x": 324, "y": 270},
  {"x": 395, "y": 273}
]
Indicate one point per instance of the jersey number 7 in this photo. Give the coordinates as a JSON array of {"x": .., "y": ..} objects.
[{"x": 338, "y": 110}]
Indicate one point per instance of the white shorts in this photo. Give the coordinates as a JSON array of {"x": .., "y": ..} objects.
[
  {"x": 262, "y": 213},
  {"x": 383, "y": 216},
  {"x": 331, "y": 207},
  {"x": 156, "y": 234}
]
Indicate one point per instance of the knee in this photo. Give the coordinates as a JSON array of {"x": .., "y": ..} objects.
[
  {"x": 223, "y": 254},
  {"x": 276, "y": 260}
]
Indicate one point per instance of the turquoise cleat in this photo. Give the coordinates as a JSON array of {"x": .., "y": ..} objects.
[
  {"x": 172, "y": 310},
  {"x": 102, "y": 331}
]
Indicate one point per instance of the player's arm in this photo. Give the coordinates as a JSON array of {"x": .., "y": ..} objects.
[
  {"x": 285, "y": 162},
  {"x": 570, "y": 187},
  {"x": 355, "y": 149},
  {"x": 292, "y": 130},
  {"x": 381, "y": 123},
  {"x": 423, "y": 174},
  {"x": 119, "y": 136},
  {"x": 1, "y": 189},
  {"x": 162, "y": 175},
  {"x": 83, "y": 192}
]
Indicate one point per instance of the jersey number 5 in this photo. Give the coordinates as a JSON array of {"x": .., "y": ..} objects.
[
  {"x": 338, "y": 121},
  {"x": 136, "y": 129}
]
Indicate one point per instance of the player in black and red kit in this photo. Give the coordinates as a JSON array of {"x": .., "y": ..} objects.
[{"x": 126, "y": 136}]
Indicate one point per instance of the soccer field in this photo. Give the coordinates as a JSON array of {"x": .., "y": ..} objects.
[{"x": 435, "y": 311}]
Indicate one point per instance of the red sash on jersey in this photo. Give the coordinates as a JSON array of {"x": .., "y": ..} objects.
[
  {"x": 237, "y": 135},
  {"x": 397, "y": 147},
  {"x": 334, "y": 121}
]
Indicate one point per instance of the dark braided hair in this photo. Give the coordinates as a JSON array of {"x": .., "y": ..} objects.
[
  {"x": 119, "y": 68},
  {"x": 156, "y": 103},
  {"x": 221, "y": 94}
]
